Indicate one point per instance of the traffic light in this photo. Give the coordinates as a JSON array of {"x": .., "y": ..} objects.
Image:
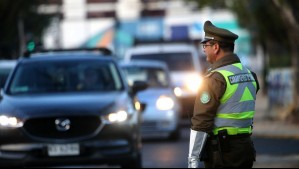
[{"x": 31, "y": 46}]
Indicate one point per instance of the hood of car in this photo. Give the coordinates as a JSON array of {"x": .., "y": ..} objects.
[
  {"x": 151, "y": 95},
  {"x": 61, "y": 104},
  {"x": 179, "y": 78}
]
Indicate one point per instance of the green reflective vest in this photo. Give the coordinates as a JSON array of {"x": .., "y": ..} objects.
[{"x": 237, "y": 105}]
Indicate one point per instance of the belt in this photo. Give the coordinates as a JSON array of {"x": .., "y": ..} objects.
[
  {"x": 234, "y": 130},
  {"x": 238, "y": 136}
]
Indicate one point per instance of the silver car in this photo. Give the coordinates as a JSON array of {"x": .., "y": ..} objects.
[
  {"x": 162, "y": 111},
  {"x": 184, "y": 65}
]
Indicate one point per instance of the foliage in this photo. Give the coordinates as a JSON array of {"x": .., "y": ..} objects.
[
  {"x": 13, "y": 14},
  {"x": 274, "y": 24},
  {"x": 264, "y": 20}
]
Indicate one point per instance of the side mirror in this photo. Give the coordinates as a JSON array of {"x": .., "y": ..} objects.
[
  {"x": 142, "y": 107},
  {"x": 138, "y": 86}
]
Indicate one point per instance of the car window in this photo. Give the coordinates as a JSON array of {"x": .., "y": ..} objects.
[
  {"x": 175, "y": 61},
  {"x": 65, "y": 76},
  {"x": 155, "y": 77}
]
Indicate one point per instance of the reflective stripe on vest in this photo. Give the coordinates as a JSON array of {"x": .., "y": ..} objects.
[
  {"x": 234, "y": 130},
  {"x": 237, "y": 105}
]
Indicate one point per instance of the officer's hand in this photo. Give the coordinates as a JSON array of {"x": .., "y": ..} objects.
[{"x": 193, "y": 162}]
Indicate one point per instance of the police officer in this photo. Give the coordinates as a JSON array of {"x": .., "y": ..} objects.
[{"x": 224, "y": 108}]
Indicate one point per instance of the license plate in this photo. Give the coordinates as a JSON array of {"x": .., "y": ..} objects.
[{"x": 63, "y": 149}]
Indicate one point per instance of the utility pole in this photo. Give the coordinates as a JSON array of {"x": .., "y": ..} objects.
[{"x": 21, "y": 33}]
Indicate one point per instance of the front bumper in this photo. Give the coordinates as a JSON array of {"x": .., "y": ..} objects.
[
  {"x": 104, "y": 151},
  {"x": 159, "y": 123},
  {"x": 113, "y": 145},
  {"x": 158, "y": 128}
]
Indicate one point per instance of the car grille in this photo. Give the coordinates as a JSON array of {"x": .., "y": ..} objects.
[
  {"x": 149, "y": 126},
  {"x": 80, "y": 126}
]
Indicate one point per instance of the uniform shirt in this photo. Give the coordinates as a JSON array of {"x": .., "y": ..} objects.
[{"x": 208, "y": 97}]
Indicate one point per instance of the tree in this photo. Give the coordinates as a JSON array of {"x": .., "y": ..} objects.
[
  {"x": 273, "y": 23},
  {"x": 20, "y": 22}
]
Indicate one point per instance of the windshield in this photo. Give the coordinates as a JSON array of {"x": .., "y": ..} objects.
[
  {"x": 65, "y": 76},
  {"x": 155, "y": 77},
  {"x": 174, "y": 61}
]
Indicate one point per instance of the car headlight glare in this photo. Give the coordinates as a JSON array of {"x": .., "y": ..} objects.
[
  {"x": 193, "y": 83},
  {"x": 7, "y": 121},
  {"x": 119, "y": 116},
  {"x": 165, "y": 103},
  {"x": 178, "y": 91}
]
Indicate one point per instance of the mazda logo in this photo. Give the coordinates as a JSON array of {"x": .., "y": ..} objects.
[{"x": 62, "y": 124}]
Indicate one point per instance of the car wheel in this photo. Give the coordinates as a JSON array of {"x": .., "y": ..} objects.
[
  {"x": 133, "y": 163},
  {"x": 175, "y": 135}
]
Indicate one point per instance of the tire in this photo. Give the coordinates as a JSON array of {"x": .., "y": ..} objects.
[
  {"x": 175, "y": 135},
  {"x": 133, "y": 163}
]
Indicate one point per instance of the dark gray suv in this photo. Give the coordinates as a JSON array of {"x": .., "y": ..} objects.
[{"x": 69, "y": 108}]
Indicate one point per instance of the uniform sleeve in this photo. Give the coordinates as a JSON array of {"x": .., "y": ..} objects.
[{"x": 207, "y": 102}]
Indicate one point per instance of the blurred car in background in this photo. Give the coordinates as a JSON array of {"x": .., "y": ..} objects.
[
  {"x": 162, "y": 112},
  {"x": 5, "y": 67},
  {"x": 47, "y": 117},
  {"x": 183, "y": 62}
]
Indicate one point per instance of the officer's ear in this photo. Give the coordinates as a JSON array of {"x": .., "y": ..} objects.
[{"x": 216, "y": 47}]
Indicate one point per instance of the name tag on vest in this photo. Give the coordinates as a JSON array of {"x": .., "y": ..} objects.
[{"x": 241, "y": 78}]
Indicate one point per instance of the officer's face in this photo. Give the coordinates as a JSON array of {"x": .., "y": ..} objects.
[{"x": 209, "y": 51}]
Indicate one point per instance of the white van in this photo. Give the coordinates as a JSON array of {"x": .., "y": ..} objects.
[{"x": 184, "y": 65}]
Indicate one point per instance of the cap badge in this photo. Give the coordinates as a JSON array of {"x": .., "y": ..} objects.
[{"x": 209, "y": 37}]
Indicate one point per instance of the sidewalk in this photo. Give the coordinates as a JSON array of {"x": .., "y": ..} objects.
[
  {"x": 266, "y": 128},
  {"x": 263, "y": 127}
]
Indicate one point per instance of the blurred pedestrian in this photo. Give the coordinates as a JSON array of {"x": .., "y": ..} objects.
[{"x": 224, "y": 108}]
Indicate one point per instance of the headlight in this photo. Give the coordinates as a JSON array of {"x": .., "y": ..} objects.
[
  {"x": 178, "y": 91},
  {"x": 164, "y": 103},
  {"x": 7, "y": 121},
  {"x": 117, "y": 117}
]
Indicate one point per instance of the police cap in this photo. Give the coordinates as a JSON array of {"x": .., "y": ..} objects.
[{"x": 219, "y": 34}]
